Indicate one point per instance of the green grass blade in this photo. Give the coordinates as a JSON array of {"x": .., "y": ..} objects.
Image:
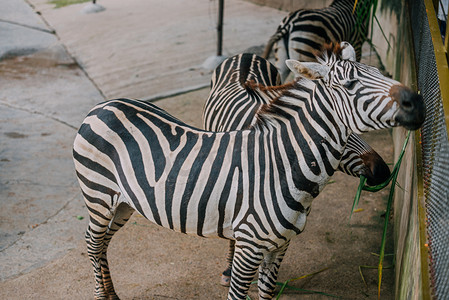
[
  {"x": 285, "y": 284},
  {"x": 367, "y": 10},
  {"x": 357, "y": 195},
  {"x": 62, "y": 3},
  {"x": 307, "y": 291},
  {"x": 282, "y": 289},
  {"x": 393, "y": 177},
  {"x": 387, "y": 213},
  {"x": 383, "y": 33},
  {"x": 309, "y": 275},
  {"x": 361, "y": 275}
]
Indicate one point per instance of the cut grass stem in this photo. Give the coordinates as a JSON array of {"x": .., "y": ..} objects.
[
  {"x": 284, "y": 285},
  {"x": 362, "y": 186}
]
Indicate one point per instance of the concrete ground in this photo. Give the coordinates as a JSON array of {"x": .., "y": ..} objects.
[{"x": 151, "y": 50}]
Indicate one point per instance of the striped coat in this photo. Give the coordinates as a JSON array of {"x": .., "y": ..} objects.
[
  {"x": 301, "y": 34},
  {"x": 254, "y": 186},
  {"x": 237, "y": 94},
  {"x": 238, "y": 90}
]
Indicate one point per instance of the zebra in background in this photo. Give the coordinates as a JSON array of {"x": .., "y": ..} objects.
[
  {"x": 233, "y": 102},
  {"x": 301, "y": 34},
  {"x": 253, "y": 186},
  {"x": 237, "y": 92}
]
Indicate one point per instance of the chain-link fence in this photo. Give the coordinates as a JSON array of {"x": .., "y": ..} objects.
[{"x": 435, "y": 144}]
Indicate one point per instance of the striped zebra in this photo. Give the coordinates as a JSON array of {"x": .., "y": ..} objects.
[
  {"x": 232, "y": 104},
  {"x": 253, "y": 186},
  {"x": 302, "y": 33},
  {"x": 235, "y": 98}
]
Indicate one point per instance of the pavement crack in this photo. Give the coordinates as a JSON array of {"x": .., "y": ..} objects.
[
  {"x": 59, "y": 210},
  {"x": 11, "y": 244},
  {"x": 74, "y": 58},
  {"x": 42, "y": 223},
  {"x": 50, "y": 31},
  {"x": 38, "y": 113},
  {"x": 174, "y": 93}
]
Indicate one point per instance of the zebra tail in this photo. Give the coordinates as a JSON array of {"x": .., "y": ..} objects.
[{"x": 281, "y": 32}]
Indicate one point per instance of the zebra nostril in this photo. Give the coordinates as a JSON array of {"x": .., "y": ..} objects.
[
  {"x": 412, "y": 108},
  {"x": 405, "y": 97},
  {"x": 407, "y": 105}
]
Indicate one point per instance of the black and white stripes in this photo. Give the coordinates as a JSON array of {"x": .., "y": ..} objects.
[
  {"x": 253, "y": 186},
  {"x": 241, "y": 84},
  {"x": 239, "y": 87},
  {"x": 301, "y": 34},
  {"x": 233, "y": 102}
]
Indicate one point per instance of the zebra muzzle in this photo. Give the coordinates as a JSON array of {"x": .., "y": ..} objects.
[
  {"x": 412, "y": 110},
  {"x": 375, "y": 169}
]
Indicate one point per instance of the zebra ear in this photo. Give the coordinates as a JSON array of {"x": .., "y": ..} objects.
[
  {"x": 347, "y": 51},
  {"x": 309, "y": 70}
]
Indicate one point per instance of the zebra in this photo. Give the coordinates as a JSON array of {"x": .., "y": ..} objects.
[
  {"x": 237, "y": 93},
  {"x": 302, "y": 33},
  {"x": 235, "y": 97},
  {"x": 253, "y": 186}
]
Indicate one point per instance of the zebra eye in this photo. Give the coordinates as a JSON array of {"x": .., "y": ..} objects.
[{"x": 350, "y": 84}]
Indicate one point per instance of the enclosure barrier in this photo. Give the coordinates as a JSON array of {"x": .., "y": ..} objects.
[{"x": 432, "y": 154}]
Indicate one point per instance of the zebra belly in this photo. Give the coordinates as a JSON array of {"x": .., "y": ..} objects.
[
  {"x": 186, "y": 218},
  {"x": 201, "y": 207}
]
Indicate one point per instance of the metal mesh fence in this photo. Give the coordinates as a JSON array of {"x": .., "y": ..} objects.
[{"x": 435, "y": 152}]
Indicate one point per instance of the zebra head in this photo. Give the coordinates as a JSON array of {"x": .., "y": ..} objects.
[{"x": 362, "y": 97}]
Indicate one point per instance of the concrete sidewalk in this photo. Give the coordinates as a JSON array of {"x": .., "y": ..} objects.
[
  {"x": 125, "y": 51},
  {"x": 137, "y": 49},
  {"x": 43, "y": 98},
  {"x": 145, "y": 49}
]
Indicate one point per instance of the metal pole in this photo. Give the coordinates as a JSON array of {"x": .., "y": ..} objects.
[{"x": 220, "y": 27}]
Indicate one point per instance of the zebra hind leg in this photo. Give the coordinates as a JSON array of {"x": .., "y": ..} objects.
[
  {"x": 244, "y": 267},
  {"x": 121, "y": 216},
  {"x": 95, "y": 233},
  {"x": 226, "y": 275},
  {"x": 100, "y": 230},
  {"x": 268, "y": 272},
  {"x": 281, "y": 55}
]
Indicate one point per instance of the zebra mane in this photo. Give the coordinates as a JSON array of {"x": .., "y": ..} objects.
[
  {"x": 275, "y": 107},
  {"x": 330, "y": 53},
  {"x": 269, "y": 93}
]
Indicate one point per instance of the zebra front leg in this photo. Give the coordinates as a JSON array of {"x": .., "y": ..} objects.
[
  {"x": 268, "y": 272},
  {"x": 226, "y": 275},
  {"x": 122, "y": 214},
  {"x": 247, "y": 259}
]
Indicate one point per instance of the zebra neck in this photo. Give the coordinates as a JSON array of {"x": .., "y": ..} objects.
[{"x": 309, "y": 135}]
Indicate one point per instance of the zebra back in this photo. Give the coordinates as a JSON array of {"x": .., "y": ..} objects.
[
  {"x": 233, "y": 100},
  {"x": 302, "y": 33}
]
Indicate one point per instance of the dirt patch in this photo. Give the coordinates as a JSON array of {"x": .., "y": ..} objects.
[{"x": 24, "y": 66}]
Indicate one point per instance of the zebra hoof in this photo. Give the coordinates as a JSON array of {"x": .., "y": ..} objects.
[{"x": 225, "y": 280}]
